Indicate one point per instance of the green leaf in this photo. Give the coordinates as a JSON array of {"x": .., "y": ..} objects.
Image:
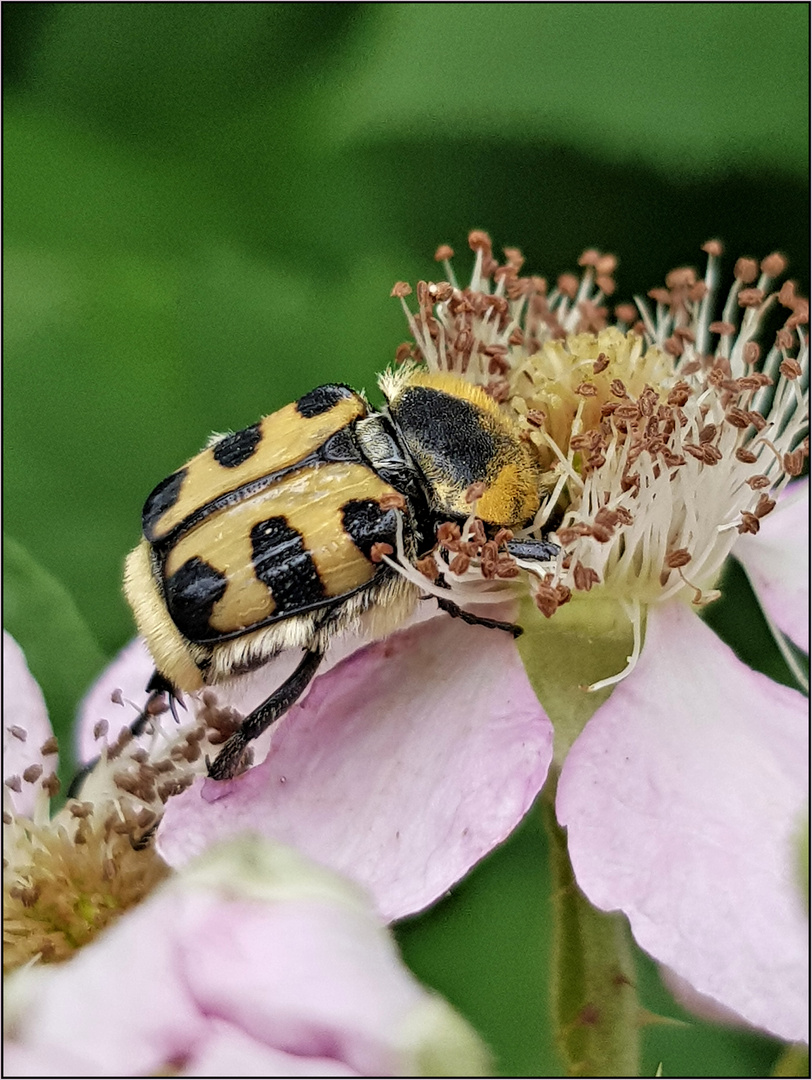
[
  {"x": 595, "y": 1002},
  {"x": 585, "y": 641},
  {"x": 60, "y": 649}
]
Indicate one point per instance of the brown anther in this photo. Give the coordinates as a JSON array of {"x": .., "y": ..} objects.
[
  {"x": 18, "y": 732},
  {"x": 749, "y": 523},
  {"x": 516, "y": 337},
  {"x": 800, "y": 315},
  {"x": 157, "y": 707},
  {"x": 535, "y": 418},
  {"x": 698, "y": 291},
  {"x": 786, "y": 296},
  {"x": 602, "y": 533},
  {"x": 745, "y": 270},
  {"x": 750, "y": 297},
  {"x": 443, "y": 252},
  {"x": 764, "y": 506},
  {"x": 697, "y": 452},
  {"x": 794, "y": 462},
  {"x": 568, "y": 285},
  {"x": 80, "y": 809},
  {"x": 392, "y": 500},
  {"x": 606, "y": 264},
  {"x": 51, "y": 785},
  {"x": 442, "y": 291},
  {"x": 722, "y": 328},
  {"x": 790, "y": 368},
  {"x": 590, "y": 257},
  {"x": 478, "y": 240},
  {"x": 711, "y": 454},
  {"x": 546, "y": 600},
  {"x": 8, "y": 818},
  {"x": 448, "y": 535},
  {"x": 502, "y": 536},
  {"x": 606, "y": 284},
  {"x": 100, "y": 729},
  {"x": 626, "y": 313},
  {"x": 738, "y": 418},
  {"x": 584, "y": 577},
  {"x": 783, "y": 339},
  {"x": 713, "y": 247},
  {"x": 50, "y": 746},
  {"x": 607, "y": 518},
  {"x": 477, "y": 532},
  {"x": 774, "y": 265},
  {"x": 673, "y": 346},
  {"x": 403, "y": 352},
  {"x": 401, "y": 289},
  {"x": 459, "y": 564},
  {"x": 32, "y": 774},
  {"x": 681, "y": 278},
  {"x": 627, "y": 412},
  {"x": 679, "y": 394},
  {"x": 586, "y": 389},
  {"x": 751, "y": 353},
  {"x": 680, "y": 557},
  {"x": 14, "y": 783},
  {"x": 747, "y": 457},
  {"x": 427, "y": 567},
  {"x": 660, "y": 296},
  {"x": 117, "y": 697},
  {"x": 475, "y": 491},
  {"x": 758, "y": 482},
  {"x": 498, "y": 389},
  {"x": 707, "y": 434},
  {"x": 618, "y": 389},
  {"x": 563, "y": 594},
  {"x": 757, "y": 420}
]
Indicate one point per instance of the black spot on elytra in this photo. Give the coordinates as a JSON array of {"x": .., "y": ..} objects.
[
  {"x": 367, "y": 524},
  {"x": 282, "y": 562},
  {"x": 233, "y": 450},
  {"x": 322, "y": 399},
  {"x": 160, "y": 500},
  {"x": 191, "y": 592},
  {"x": 447, "y": 431}
]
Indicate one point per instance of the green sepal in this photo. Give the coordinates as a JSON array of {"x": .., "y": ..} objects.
[
  {"x": 61, "y": 652},
  {"x": 595, "y": 1004},
  {"x": 586, "y": 640}
]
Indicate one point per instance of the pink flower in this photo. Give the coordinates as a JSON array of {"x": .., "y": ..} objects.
[
  {"x": 252, "y": 962},
  {"x": 682, "y": 774}
]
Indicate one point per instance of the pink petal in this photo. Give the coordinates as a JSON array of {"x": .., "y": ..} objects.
[
  {"x": 404, "y": 766},
  {"x": 776, "y": 560},
  {"x": 683, "y": 799},
  {"x": 24, "y": 714},
  {"x": 230, "y": 1052}
]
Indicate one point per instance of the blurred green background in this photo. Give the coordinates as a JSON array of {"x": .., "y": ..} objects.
[{"x": 206, "y": 206}]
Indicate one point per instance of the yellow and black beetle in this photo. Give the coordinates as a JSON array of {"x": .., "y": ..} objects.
[{"x": 271, "y": 537}]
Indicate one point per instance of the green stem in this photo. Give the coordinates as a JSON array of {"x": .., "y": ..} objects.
[{"x": 595, "y": 1005}]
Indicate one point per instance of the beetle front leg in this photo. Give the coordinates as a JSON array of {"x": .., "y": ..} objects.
[{"x": 227, "y": 762}]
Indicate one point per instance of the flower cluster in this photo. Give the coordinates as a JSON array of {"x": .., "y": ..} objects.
[{"x": 669, "y": 439}]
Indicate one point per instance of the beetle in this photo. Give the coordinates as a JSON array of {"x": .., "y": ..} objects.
[{"x": 273, "y": 537}]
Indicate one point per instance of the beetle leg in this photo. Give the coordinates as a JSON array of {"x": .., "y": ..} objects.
[
  {"x": 476, "y": 620},
  {"x": 227, "y": 762}
]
